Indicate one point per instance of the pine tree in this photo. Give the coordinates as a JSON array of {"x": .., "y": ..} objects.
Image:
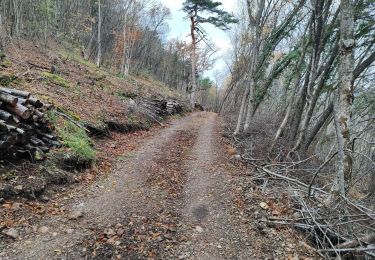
[{"x": 200, "y": 12}]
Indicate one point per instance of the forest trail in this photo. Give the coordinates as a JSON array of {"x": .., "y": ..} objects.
[
  {"x": 173, "y": 198},
  {"x": 207, "y": 202}
]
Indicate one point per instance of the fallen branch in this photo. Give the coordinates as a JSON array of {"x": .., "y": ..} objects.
[
  {"x": 295, "y": 224},
  {"x": 352, "y": 250},
  {"x": 318, "y": 170},
  {"x": 286, "y": 178},
  {"x": 328, "y": 236},
  {"x": 357, "y": 242},
  {"x": 37, "y": 66},
  {"x": 60, "y": 113}
]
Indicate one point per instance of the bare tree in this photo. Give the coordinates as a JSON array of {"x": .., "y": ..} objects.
[
  {"x": 345, "y": 98},
  {"x": 200, "y": 12}
]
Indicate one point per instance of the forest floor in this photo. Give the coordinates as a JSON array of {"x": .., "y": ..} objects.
[{"x": 174, "y": 196}]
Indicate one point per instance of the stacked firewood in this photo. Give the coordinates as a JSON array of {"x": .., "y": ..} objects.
[
  {"x": 173, "y": 107},
  {"x": 160, "y": 107},
  {"x": 24, "y": 127}
]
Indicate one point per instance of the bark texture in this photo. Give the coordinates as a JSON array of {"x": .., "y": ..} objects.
[{"x": 345, "y": 98}]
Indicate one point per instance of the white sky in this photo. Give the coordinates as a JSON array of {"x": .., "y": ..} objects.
[{"x": 179, "y": 28}]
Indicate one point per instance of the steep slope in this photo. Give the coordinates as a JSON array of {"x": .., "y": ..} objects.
[
  {"x": 88, "y": 103},
  {"x": 69, "y": 82}
]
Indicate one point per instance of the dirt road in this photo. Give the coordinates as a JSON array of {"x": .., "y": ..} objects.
[{"x": 173, "y": 198}]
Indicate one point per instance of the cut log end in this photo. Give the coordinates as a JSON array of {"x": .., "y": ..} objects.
[{"x": 24, "y": 131}]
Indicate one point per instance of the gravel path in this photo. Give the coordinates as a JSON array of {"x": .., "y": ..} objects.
[
  {"x": 122, "y": 192},
  {"x": 207, "y": 202},
  {"x": 172, "y": 198}
]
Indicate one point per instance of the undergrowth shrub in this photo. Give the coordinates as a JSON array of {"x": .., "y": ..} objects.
[
  {"x": 2, "y": 55},
  {"x": 7, "y": 79},
  {"x": 56, "y": 79},
  {"x": 78, "y": 141},
  {"x": 52, "y": 117}
]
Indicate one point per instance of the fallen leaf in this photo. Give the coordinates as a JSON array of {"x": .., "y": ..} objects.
[{"x": 264, "y": 205}]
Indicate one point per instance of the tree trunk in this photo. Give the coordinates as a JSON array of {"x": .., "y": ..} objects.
[
  {"x": 46, "y": 22},
  {"x": 98, "y": 60},
  {"x": 345, "y": 99},
  {"x": 129, "y": 55},
  {"x": 314, "y": 98},
  {"x": 372, "y": 171},
  {"x": 281, "y": 129},
  {"x": 250, "y": 105},
  {"x": 193, "y": 63},
  {"x": 257, "y": 30},
  {"x": 299, "y": 106},
  {"x": 88, "y": 50},
  {"x": 16, "y": 17},
  {"x": 123, "y": 65},
  {"x": 242, "y": 110},
  {"x": 319, "y": 124},
  {"x": 217, "y": 98},
  {"x": 289, "y": 110},
  {"x": 1, "y": 32}
]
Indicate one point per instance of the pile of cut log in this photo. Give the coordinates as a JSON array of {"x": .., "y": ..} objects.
[
  {"x": 24, "y": 127},
  {"x": 160, "y": 107},
  {"x": 157, "y": 108},
  {"x": 172, "y": 107}
]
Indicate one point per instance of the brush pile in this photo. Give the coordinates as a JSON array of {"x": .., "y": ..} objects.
[
  {"x": 24, "y": 127},
  {"x": 344, "y": 229}
]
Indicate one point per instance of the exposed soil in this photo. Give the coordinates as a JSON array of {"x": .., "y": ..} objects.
[{"x": 173, "y": 196}]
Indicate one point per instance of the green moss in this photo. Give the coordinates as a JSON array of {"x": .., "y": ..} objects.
[
  {"x": 6, "y": 63},
  {"x": 143, "y": 73},
  {"x": 77, "y": 89},
  {"x": 105, "y": 88},
  {"x": 52, "y": 117},
  {"x": 147, "y": 124},
  {"x": 5, "y": 80},
  {"x": 71, "y": 114},
  {"x": 121, "y": 158},
  {"x": 77, "y": 58},
  {"x": 2, "y": 55},
  {"x": 119, "y": 75},
  {"x": 100, "y": 118},
  {"x": 132, "y": 120},
  {"x": 56, "y": 79},
  {"x": 99, "y": 77},
  {"x": 78, "y": 141},
  {"x": 126, "y": 95}
]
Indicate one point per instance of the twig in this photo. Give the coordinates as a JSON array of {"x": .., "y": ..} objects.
[
  {"x": 153, "y": 118},
  {"x": 364, "y": 155},
  {"x": 71, "y": 120},
  {"x": 300, "y": 225},
  {"x": 353, "y": 243},
  {"x": 37, "y": 66},
  {"x": 317, "y": 172},
  {"x": 286, "y": 178},
  {"x": 361, "y": 208},
  {"x": 354, "y": 250},
  {"x": 265, "y": 186},
  {"x": 250, "y": 159},
  {"x": 316, "y": 223},
  {"x": 351, "y": 221},
  {"x": 302, "y": 161}
]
